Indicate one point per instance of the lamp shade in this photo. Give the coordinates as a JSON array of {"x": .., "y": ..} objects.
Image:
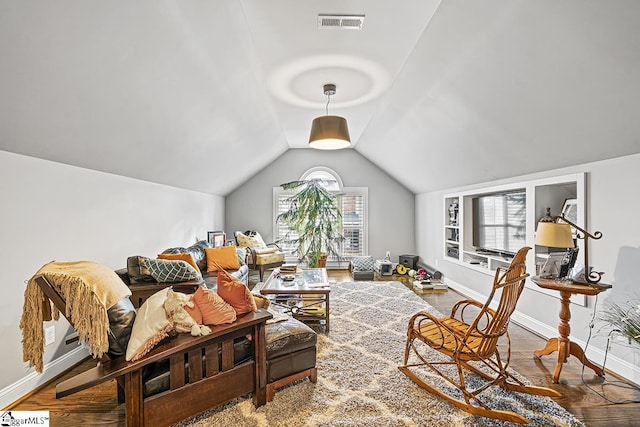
[
  {"x": 554, "y": 234},
  {"x": 329, "y": 133}
]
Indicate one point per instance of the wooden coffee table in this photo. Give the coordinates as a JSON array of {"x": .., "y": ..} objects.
[{"x": 306, "y": 297}]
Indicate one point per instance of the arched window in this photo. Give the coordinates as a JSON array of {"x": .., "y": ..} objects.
[
  {"x": 332, "y": 179},
  {"x": 353, "y": 205}
]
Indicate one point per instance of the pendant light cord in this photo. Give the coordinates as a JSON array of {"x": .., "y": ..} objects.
[{"x": 327, "y": 106}]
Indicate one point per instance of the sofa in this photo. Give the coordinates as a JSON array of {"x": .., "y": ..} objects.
[
  {"x": 142, "y": 284},
  {"x": 248, "y": 355},
  {"x": 290, "y": 344}
]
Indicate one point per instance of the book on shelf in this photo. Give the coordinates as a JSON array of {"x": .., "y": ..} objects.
[{"x": 429, "y": 284}]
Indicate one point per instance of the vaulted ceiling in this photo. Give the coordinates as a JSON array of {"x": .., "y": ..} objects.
[{"x": 203, "y": 94}]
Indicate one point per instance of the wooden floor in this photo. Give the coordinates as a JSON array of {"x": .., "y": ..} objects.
[{"x": 98, "y": 406}]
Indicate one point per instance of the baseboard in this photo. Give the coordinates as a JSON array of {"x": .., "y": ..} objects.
[
  {"x": 18, "y": 389},
  {"x": 614, "y": 364}
]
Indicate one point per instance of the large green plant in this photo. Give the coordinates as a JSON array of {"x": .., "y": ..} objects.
[{"x": 314, "y": 216}]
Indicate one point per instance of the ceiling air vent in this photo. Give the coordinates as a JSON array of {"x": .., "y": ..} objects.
[{"x": 340, "y": 22}]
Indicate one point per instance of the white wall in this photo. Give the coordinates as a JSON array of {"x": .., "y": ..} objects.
[
  {"x": 51, "y": 211},
  {"x": 391, "y": 205},
  {"x": 613, "y": 203}
]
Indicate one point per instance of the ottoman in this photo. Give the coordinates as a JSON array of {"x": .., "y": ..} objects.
[
  {"x": 361, "y": 267},
  {"x": 291, "y": 354}
]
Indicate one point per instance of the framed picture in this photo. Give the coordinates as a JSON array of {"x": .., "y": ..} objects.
[
  {"x": 551, "y": 268},
  {"x": 570, "y": 211},
  {"x": 217, "y": 238},
  {"x": 569, "y": 260}
]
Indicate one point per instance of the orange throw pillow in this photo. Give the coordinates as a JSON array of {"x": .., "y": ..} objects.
[
  {"x": 235, "y": 292},
  {"x": 224, "y": 257},
  {"x": 181, "y": 257},
  {"x": 194, "y": 311},
  {"x": 215, "y": 311}
]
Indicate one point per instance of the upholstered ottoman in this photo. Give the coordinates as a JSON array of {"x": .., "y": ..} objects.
[
  {"x": 291, "y": 354},
  {"x": 361, "y": 267}
]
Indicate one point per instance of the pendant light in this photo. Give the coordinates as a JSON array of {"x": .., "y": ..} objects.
[{"x": 329, "y": 132}]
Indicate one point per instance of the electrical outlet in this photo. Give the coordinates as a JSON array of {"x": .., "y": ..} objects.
[{"x": 50, "y": 335}]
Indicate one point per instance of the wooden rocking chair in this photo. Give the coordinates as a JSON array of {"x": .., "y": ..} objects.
[{"x": 476, "y": 341}]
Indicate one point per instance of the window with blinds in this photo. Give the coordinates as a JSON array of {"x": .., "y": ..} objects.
[
  {"x": 353, "y": 205},
  {"x": 281, "y": 231},
  {"x": 353, "y": 223},
  {"x": 499, "y": 221}
]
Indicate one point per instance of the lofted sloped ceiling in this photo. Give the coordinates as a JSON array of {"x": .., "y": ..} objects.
[{"x": 203, "y": 94}]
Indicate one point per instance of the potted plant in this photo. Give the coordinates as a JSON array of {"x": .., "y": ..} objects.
[{"x": 313, "y": 215}]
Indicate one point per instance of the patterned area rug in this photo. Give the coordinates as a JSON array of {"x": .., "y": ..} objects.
[{"x": 359, "y": 383}]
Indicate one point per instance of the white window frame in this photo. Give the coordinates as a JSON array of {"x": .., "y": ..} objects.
[{"x": 279, "y": 192}]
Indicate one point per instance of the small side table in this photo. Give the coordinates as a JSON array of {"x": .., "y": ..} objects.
[{"x": 563, "y": 345}]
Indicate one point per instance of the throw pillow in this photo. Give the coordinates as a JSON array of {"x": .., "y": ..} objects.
[
  {"x": 175, "y": 307},
  {"x": 181, "y": 257},
  {"x": 194, "y": 311},
  {"x": 164, "y": 270},
  {"x": 362, "y": 263},
  {"x": 150, "y": 327},
  {"x": 254, "y": 241},
  {"x": 215, "y": 311},
  {"x": 242, "y": 255},
  {"x": 224, "y": 256},
  {"x": 235, "y": 293},
  {"x": 137, "y": 270}
]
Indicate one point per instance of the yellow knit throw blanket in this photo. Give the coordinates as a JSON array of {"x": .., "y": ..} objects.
[{"x": 89, "y": 290}]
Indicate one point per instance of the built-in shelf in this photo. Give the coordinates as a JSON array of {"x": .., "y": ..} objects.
[
  {"x": 452, "y": 229},
  {"x": 540, "y": 194}
]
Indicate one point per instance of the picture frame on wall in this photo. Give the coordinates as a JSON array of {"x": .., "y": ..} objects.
[{"x": 217, "y": 238}]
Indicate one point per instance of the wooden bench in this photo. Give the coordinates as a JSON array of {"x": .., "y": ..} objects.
[{"x": 210, "y": 379}]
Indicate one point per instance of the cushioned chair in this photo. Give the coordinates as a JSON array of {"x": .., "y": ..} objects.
[
  {"x": 260, "y": 256},
  {"x": 474, "y": 340}
]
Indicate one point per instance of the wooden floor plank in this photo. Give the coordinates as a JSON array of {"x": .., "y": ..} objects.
[{"x": 98, "y": 406}]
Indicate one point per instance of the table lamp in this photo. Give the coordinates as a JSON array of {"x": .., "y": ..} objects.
[{"x": 552, "y": 233}]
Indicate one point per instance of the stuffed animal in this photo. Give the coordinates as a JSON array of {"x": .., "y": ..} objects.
[{"x": 182, "y": 321}]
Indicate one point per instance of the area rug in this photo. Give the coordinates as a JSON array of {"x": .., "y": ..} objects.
[{"x": 359, "y": 383}]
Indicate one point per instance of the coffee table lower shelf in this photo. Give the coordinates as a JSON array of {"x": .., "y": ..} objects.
[{"x": 305, "y": 300}]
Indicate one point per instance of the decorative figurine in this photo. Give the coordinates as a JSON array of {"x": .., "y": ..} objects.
[{"x": 453, "y": 213}]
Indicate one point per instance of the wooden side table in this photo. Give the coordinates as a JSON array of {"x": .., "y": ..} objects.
[{"x": 563, "y": 345}]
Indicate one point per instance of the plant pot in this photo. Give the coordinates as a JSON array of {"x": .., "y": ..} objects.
[{"x": 322, "y": 261}]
